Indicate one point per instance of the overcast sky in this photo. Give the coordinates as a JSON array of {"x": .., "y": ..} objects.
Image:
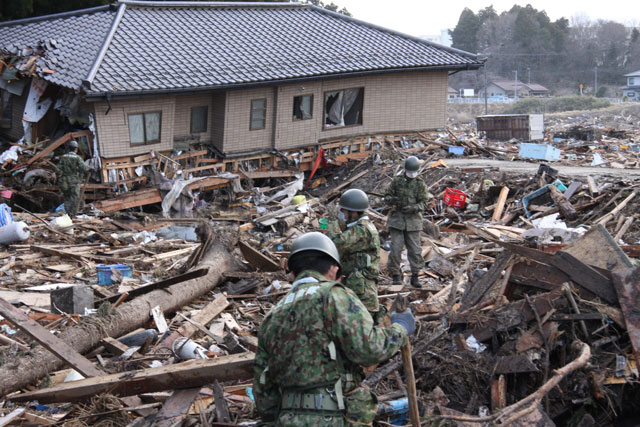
[{"x": 424, "y": 17}]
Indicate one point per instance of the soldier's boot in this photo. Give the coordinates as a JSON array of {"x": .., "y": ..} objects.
[
  {"x": 415, "y": 281},
  {"x": 396, "y": 278}
]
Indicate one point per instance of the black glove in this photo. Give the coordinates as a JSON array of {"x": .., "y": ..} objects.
[
  {"x": 391, "y": 200},
  {"x": 404, "y": 319},
  {"x": 410, "y": 209}
]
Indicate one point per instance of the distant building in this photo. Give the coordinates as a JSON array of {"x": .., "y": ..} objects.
[
  {"x": 507, "y": 88},
  {"x": 451, "y": 93},
  {"x": 632, "y": 90},
  {"x": 444, "y": 38}
]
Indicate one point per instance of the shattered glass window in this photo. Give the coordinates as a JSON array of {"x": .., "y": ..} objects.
[{"x": 302, "y": 107}]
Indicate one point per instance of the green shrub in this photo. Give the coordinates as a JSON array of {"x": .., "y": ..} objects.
[{"x": 554, "y": 105}]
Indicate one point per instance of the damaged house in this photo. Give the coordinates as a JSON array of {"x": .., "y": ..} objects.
[{"x": 235, "y": 79}]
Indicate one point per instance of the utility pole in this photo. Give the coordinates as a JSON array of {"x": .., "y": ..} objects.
[
  {"x": 529, "y": 72},
  {"x": 485, "y": 87},
  {"x": 596, "y": 82},
  {"x": 515, "y": 86}
]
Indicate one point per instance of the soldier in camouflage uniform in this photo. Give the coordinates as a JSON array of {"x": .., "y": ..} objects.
[
  {"x": 408, "y": 197},
  {"x": 313, "y": 343},
  {"x": 71, "y": 171},
  {"x": 359, "y": 247}
]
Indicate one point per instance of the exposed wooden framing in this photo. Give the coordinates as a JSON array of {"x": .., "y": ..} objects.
[
  {"x": 58, "y": 142},
  {"x": 193, "y": 373},
  {"x": 502, "y": 198}
]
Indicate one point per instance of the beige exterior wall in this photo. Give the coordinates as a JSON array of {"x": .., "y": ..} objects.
[
  {"x": 392, "y": 103},
  {"x": 113, "y": 128},
  {"x": 218, "y": 100},
  {"x": 182, "y": 120},
  {"x": 237, "y": 135}
]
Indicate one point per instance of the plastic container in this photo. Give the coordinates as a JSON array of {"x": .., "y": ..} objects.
[
  {"x": 6, "y": 217},
  {"x": 104, "y": 272},
  {"x": 14, "y": 232},
  {"x": 324, "y": 223},
  {"x": 455, "y": 198},
  {"x": 458, "y": 151}
]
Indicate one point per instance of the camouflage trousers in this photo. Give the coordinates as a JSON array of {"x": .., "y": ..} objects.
[
  {"x": 400, "y": 238},
  {"x": 361, "y": 406},
  {"x": 365, "y": 288},
  {"x": 71, "y": 199}
]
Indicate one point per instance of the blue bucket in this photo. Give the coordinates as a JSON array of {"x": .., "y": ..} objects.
[{"x": 104, "y": 272}]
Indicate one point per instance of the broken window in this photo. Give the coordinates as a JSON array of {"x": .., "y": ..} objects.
[
  {"x": 6, "y": 109},
  {"x": 343, "y": 107},
  {"x": 144, "y": 128},
  {"x": 258, "y": 113},
  {"x": 199, "y": 119},
  {"x": 302, "y": 107}
]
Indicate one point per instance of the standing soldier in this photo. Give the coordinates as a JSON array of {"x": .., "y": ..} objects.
[
  {"x": 407, "y": 195},
  {"x": 359, "y": 247},
  {"x": 71, "y": 171},
  {"x": 313, "y": 343}
]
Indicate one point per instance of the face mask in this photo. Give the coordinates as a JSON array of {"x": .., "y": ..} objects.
[
  {"x": 342, "y": 216},
  {"x": 412, "y": 174}
]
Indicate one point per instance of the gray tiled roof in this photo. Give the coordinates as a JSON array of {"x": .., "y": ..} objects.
[
  {"x": 78, "y": 38},
  {"x": 160, "y": 46}
]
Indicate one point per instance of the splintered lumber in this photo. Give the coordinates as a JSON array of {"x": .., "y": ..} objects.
[
  {"x": 52, "y": 343},
  {"x": 627, "y": 284},
  {"x": 502, "y": 198},
  {"x": 257, "y": 259},
  {"x": 175, "y": 408},
  {"x": 130, "y": 200},
  {"x": 57, "y": 143},
  {"x": 193, "y": 373},
  {"x": 477, "y": 291},
  {"x": 606, "y": 218},
  {"x": 127, "y": 317},
  {"x": 566, "y": 209}
]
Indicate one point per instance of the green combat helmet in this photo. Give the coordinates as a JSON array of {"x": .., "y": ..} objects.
[
  {"x": 412, "y": 164},
  {"x": 354, "y": 200},
  {"x": 315, "y": 241},
  {"x": 73, "y": 144}
]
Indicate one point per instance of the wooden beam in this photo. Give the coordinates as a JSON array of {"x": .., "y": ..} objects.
[
  {"x": 49, "y": 341},
  {"x": 257, "y": 259},
  {"x": 193, "y": 373},
  {"x": 57, "y": 143},
  {"x": 627, "y": 284},
  {"x": 175, "y": 408},
  {"x": 130, "y": 200},
  {"x": 502, "y": 199}
]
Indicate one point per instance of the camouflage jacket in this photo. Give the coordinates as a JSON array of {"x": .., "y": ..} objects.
[
  {"x": 359, "y": 247},
  {"x": 403, "y": 192},
  {"x": 71, "y": 168},
  {"x": 317, "y": 334}
]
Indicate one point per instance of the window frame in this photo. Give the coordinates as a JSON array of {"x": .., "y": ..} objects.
[
  {"x": 253, "y": 109},
  {"x": 325, "y": 126},
  {"x": 144, "y": 128},
  {"x": 294, "y": 118},
  {"x": 206, "y": 118}
]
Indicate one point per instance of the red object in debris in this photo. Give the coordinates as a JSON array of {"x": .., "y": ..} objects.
[{"x": 455, "y": 198}]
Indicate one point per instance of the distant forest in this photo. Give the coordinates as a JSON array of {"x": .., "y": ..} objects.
[{"x": 560, "y": 54}]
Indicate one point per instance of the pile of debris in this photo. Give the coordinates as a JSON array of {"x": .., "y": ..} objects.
[{"x": 526, "y": 307}]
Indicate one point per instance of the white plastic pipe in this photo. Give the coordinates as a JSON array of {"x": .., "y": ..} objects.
[{"x": 14, "y": 232}]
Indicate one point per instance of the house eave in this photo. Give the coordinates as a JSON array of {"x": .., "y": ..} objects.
[{"x": 98, "y": 96}]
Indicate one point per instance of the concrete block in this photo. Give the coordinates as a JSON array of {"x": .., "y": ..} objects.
[{"x": 71, "y": 300}]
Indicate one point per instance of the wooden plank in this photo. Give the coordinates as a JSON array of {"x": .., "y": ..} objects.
[
  {"x": 130, "y": 200},
  {"x": 473, "y": 295},
  {"x": 271, "y": 174},
  {"x": 257, "y": 259},
  {"x": 193, "y": 373},
  {"x": 502, "y": 199},
  {"x": 627, "y": 285},
  {"x": 176, "y": 406},
  {"x": 32, "y": 299},
  {"x": 57, "y": 143},
  {"x": 49, "y": 341},
  {"x": 585, "y": 276},
  {"x": 78, "y": 256},
  {"x": 12, "y": 416}
]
